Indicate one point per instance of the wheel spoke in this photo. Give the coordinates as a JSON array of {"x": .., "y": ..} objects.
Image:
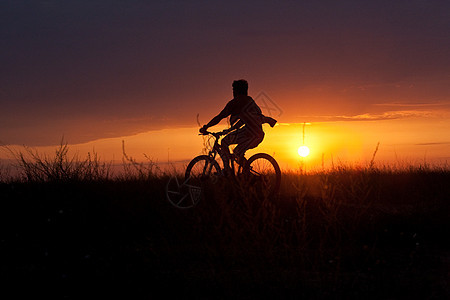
[
  {"x": 173, "y": 192},
  {"x": 197, "y": 174},
  {"x": 192, "y": 186},
  {"x": 182, "y": 199}
]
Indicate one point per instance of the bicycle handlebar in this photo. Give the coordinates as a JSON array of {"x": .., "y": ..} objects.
[{"x": 215, "y": 134}]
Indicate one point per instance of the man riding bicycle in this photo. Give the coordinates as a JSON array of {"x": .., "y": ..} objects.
[{"x": 246, "y": 121}]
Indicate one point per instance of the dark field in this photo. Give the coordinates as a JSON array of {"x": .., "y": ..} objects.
[{"x": 346, "y": 233}]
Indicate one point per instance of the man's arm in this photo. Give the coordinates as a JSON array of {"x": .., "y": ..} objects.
[
  {"x": 214, "y": 121},
  {"x": 236, "y": 125}
]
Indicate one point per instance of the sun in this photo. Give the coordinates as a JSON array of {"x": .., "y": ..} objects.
[{"x": 303, "y": 151}]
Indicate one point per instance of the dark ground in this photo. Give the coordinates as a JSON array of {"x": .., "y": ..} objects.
[{"x": 78, "y": 239}]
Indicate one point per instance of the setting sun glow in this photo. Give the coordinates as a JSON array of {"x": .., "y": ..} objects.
[{"x": 303, "y": 151}]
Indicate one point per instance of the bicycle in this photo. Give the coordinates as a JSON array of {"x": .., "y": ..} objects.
[{"x": 261, "y": 171}]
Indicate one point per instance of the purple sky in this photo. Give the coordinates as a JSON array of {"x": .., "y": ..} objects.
[{"x": 95, "y": 69}]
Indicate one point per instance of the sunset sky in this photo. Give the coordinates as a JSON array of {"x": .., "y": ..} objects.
[{"x": 352, "y": 73}]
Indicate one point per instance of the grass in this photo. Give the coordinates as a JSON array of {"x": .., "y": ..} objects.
[{"x": 367, "y": 232}]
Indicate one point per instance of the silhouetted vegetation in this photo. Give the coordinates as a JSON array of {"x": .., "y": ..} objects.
[{"x": 349, "y": 232}]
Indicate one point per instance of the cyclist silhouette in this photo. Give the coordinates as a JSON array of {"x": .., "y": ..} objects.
[{"x": 246, "y": 121}]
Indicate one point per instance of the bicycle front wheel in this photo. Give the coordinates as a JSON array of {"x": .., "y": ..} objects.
[
  {"x": 201, "y": 170},
  {"x": 186, "y": 194},
  {"x": 264, "y": 172}
]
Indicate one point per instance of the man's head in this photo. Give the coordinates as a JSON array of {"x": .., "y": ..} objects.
[{"x": 240, "y": 87}]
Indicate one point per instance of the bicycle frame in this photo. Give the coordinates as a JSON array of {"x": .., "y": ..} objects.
[
  {"x": 216, "y": 149},
  {"x": 204, "y": 169},
  {"x": 260, "y": 169}
]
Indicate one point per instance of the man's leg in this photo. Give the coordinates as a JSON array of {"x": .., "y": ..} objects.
[
  {"x": 245, "y": 141},
  {"x": 225, "y": 154}
]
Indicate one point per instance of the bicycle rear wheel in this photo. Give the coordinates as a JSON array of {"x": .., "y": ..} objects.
[{"x": 263, "y": 172}]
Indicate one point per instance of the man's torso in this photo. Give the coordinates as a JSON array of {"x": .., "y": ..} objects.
[{"x": 245, "y": 109}]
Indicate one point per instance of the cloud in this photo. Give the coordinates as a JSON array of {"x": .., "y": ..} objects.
[
  {"x": 76, "y": 131},
  {"x": 433, "y": 144},
  {"x": 389, "y": 115},
  {"x": 442, "y": 104},
  {"x": 65, "y": 62}
]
